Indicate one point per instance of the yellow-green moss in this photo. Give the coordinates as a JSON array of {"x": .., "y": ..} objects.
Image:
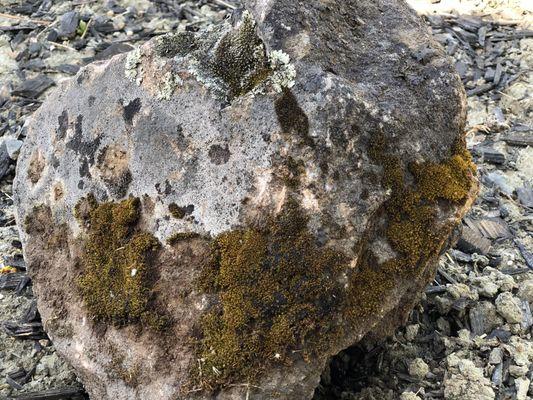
[
  {"x": 116, "y": 280},
  {"x": 280, "y": 293},
  {"x": 177, "y": 211},
  {"x": 181, "y": 236},
  {"x": 411, "y": 228}
]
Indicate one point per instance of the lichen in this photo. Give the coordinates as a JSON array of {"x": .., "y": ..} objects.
[
  {"x": 284, "y": 73},
  {"x": 281, "y": 294},
  {"x": 132, "y": 69},
  {"x": 117, "y": 276},
  {"x": 230, "y": 60},
  {"x": 170, "y": 82}
]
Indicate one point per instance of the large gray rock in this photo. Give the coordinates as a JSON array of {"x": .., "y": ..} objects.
[{"x": 298, "y": 169}]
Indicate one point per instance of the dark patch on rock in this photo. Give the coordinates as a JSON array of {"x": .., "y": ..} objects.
[
  {"x": 62, "y": 121},
  {"x": 118, "y": 187},
  {"x": 292, "y": 118},
  {"x": 91, "y": 100},
  {"x": 219, "y": 155},
  {"x": 81, "y": 184},
  {"x": 54, "y": 161},
  {"x": 166, "y": 190},
  {"x": 180, "y": 212},
  {"x": 85, "y": 150},
  {"x": 176, "y": 44},
  {"x": 130, "y": 110}
]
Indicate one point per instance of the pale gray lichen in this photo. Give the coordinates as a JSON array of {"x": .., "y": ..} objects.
[
  {"x": 283, "y": 72},
  {"x": 132, "y": 67},
  {"x": 170, "y": 82}
]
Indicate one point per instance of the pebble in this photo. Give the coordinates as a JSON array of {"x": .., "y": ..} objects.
[
  {"x": 418, "y": 368},
  {"x": 509, "y": 307},
  {"x": 525, "y": 291},
  {"x": 522, "y": 387}
]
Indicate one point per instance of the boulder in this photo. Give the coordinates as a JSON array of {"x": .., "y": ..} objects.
[{"x": 216, "y": 214}]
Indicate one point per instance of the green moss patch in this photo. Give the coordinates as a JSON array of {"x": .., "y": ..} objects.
[
  {"x": 116, "y": 280},
  {"x": 240, "y": 58},
  {"x": 282, "y": 296},
  {"x": 278, "y": 291}
]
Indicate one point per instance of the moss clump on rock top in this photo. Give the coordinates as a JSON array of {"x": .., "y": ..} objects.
[
  {"x": 278, "y": 293},
  {"x": 240, "y": 58},
  {"x": 116, "y": 280}
]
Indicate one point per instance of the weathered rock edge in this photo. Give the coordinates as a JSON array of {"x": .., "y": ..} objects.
[{"x": 363, "y": 127}]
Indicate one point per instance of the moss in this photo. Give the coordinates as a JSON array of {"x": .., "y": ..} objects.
[
  {"x": 277, "y": 292},
  {"x": 181, "y": 236},
  {"x": 280, "y": 294},
  {"x": 240, "y": 59},
  {"x": 180, "y": 212},
  {"x": 175, "y": 44},
  {"x": 116, "y": 280},
  {"x": 411, "y": 214}
]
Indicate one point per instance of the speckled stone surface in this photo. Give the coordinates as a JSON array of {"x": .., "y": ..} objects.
[{"x": 169, "y": 127}]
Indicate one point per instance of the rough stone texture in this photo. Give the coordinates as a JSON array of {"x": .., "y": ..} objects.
[{"x": 168, "y": 124}]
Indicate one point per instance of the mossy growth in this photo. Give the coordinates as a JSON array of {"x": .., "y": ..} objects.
[
  {"x": 240, "y": 59},
  {"x": 281, "y": 294},
  {"x": 175, "y": 44},
  {"x": 411, "y": 215},
  {"x": 180, "y": 212},
  {"x": 181, "y": 236},
  {"x": 117, "y": 278},
  {"x": 278, "y": 294}
]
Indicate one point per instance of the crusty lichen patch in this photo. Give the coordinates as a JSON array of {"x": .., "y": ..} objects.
[
  {"x": 280, "y": 295},
  {"x": 230, "y": 60},
  {"x": 117, "y": 276}
]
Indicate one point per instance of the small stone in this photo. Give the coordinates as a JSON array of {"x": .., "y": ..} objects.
[
  {"x": 13, "y": 147},
  {"x": 411, "y": 331},
  {"x": 525, "y": 291},
  {"x": 444, "y": 326},
  {"x": 522, "y": 387},
  {"x": 465, "y": 381},
  {"x": 444, "y": 304},
  {"x": 68, "y": 24},
  {"x": 518, "y": 370},
  {"x": 484, "y": 318},
  {"x": 418, "y": 368},
  {"x": 485, "y": 286},
  {"x": 460, "y": 290},
  {"x": 509, "y": 307},
  {"x": 409, "y": 396},
  {"x": 496, "y": 356}
]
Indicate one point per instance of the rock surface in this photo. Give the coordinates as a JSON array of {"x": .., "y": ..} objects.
[{"x": 348, "y": 110}]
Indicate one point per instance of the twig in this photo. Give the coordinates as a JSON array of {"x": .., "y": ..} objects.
[
  {"x": 63, "y": 46},
  {"x": 225, "y": 4},
  {"x": 87, "y": 28},
  {"x": 20, "y": 18}
]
